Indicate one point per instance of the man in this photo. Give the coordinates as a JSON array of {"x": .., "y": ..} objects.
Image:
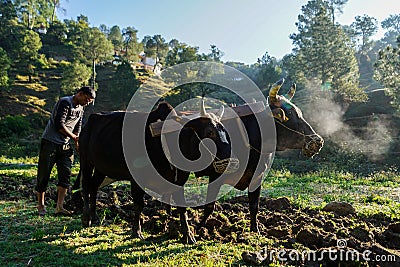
[{"x": 64, "y": 124}]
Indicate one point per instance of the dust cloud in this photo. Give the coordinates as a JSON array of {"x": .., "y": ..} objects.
[{"x": 372, "y": 136}]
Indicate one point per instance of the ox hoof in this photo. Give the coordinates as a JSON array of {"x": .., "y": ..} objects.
[
  {"x": 95, "y": 221},
  {"x": 138, "y": 235},
  {"x": 85, "y": 222},
  {"x": 200, "y": 225},
  {"x": 190, "y": 240},
  {"x": 254, "y": 229}
]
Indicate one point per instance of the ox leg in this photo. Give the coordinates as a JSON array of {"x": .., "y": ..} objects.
[
  {"x": 179, "y": 196},
  {"x": 188, "y": 236},
  {"x": 208, "y": 210},
  {"x": 76, "y": 197},
  {"x": 138, "y": 204},
  {"x": 85, "y": 212},
  {"x": 86, "y": 176},
  {"x": 212, "y": 193},
  {"x": 254, "y": 200},
  {"x": 98, "y": 178},
  {"x": 165, "y": 203}
]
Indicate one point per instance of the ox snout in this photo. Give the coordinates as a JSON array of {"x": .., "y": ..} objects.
[
  {"x": 229, "y": 165},
  {"x": 313, "y": 145}
]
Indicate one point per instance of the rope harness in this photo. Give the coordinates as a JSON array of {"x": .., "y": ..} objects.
[
  {"x": 314, "y": 138},
  {"x": 229, "y": 165}
]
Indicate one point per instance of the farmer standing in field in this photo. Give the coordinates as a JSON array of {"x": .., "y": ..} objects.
[{"x": 64, "y": 124}]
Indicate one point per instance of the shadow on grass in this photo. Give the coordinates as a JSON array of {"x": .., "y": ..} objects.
[{"x": 30, "y": 240}]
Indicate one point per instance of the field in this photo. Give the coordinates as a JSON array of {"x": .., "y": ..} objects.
[{"x": 291, "y": 220}]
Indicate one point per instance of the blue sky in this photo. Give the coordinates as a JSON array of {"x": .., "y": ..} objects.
[{"x": 243, "y": 30}]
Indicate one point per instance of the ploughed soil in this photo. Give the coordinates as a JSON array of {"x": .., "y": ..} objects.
[{"x": 334, "y": 236}]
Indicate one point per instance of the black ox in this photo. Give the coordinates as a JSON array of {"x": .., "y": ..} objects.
[
  {"x": 101, "y": 154},
  {"x": 292, "y": 132}
]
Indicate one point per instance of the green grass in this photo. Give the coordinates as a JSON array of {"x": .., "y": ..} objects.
[
  {"x": 374, "y": 194},
  {"x": 29, "y": 240}
]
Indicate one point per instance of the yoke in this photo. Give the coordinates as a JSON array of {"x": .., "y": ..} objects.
[{"x": 175, "y": 123}]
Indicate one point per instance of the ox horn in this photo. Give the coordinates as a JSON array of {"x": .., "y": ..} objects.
[
  {"x": 173, "y": 113},
  {"x": 220, "y": 112},
  {"x": 274, "y": 90},
  {"x": 203, "y": 112},
  {"x": 291, "y": 92}
]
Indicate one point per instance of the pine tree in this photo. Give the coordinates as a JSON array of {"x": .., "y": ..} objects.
[{"x": 324, "y": 53}]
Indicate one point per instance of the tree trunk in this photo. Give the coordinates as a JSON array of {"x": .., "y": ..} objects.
[
  {"x": 94, "y": 74},
  {"x": 156, "y": 59},
  {"x": 54, "y": 12}
]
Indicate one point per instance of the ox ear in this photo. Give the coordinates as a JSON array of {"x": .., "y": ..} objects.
[
  {"x": 279, "y": 114},
  {"x": 292, "y": 91},
  {"x": 273, "y": 91},
  {"x": 181, "y": 119}
]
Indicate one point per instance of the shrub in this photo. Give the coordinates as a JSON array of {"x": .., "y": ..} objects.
[{"x": 17, "y": 126}]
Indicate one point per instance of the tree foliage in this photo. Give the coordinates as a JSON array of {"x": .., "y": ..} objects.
[
  {"x": 156, "y": 47},
  {"x": 74, "y": 76},
  {"x": 365, "y": 27},
  {"x": 387, "y": 71},
  {"x": 94, "y": 47},
  {"x": 392, "y": 27},
  {"x": 392, "y": 23},
  {"x": 131, "y": 44},
  {"x": 4, "y": 68},
  {"x": 75, "y": 30},
  {"x": 28, "y": 52},
  {"x": 181, "y": 53},
  {"x": 324, "y": 53},
  {"x": 36, "y": 13},
  {"x": 215, "y": 54},
  {"x": 124, "y": 84},
  {"x": 267, "y": 70},
  {"x": 335, "y": 7},
  {"x": 116, "y": 38}
]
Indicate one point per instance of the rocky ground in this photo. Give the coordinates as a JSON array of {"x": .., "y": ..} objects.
[{"x": 333, "y": 235}]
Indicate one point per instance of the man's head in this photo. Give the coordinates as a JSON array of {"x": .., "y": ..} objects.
[{"x": 85, "y": 95}]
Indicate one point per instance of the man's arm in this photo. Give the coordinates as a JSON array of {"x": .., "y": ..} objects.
[
  {"x": 78, "y": 127},
  {"x": 60, "y": 118},
  {"x": 77, "y": 131}
]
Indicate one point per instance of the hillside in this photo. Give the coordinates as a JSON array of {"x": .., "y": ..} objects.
[
  {"x": 33, "y": 102},
  {"x": 40, "y": 96}
]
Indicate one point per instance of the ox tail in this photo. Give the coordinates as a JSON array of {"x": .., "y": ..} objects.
[
  {"x": 77, "y": 187},
  {"x": 76, "y": 195}
]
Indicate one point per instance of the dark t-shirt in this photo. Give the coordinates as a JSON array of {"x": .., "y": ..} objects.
[{"x": 64, "y": 113}]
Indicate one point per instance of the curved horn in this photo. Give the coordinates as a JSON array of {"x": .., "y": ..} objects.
[
  {"x": 291, "y": 92},
  {"x": 220, "y": 112},
  {"x": 203, "y": 112},
  {"x": 173, "y": 113},
  {"x": 274, "y": 89}
]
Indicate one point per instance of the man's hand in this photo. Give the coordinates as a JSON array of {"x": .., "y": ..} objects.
[{"x": 76, "y": 140}]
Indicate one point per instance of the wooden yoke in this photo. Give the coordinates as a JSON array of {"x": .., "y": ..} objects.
[{"x": 174, "y": 124}]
